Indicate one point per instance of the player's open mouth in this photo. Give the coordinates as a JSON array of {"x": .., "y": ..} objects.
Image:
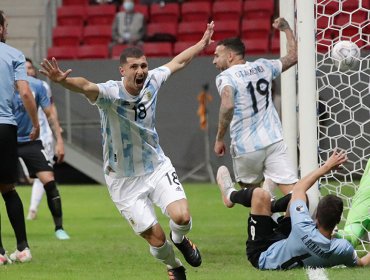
[{"x": 140, "y": 81}]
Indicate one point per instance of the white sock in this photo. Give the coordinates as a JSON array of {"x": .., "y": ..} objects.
[
  {"x": 166, "y": 255},
  {"x": 178, "y": 231},
  {"x": 37, "y": 193}
]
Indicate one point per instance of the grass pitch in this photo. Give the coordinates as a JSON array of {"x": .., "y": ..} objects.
[{"x": 103, "y": 245}]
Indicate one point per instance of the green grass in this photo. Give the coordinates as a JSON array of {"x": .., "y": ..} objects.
[{"x": 103, "y": 245}]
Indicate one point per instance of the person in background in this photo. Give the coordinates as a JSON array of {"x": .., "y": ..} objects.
[
  {"x": 13, "y": 76},
  {"x": 51, "y": 148}
]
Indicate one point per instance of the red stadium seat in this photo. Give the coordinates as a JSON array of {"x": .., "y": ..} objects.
[
  {"x": 167, "y": 13},
  {"x": 64, "y": 52},
  {"x": 97, "y": 35},
  {"x": 196, "y": 11},
  {"x": 179, "y": 46},
  {"x": 101, "y": 14},
  {"x": 67, "y": 36},
  {"x": 210, "y": 50},
  {"x": 258, "y": 9},
  {"x": 275, "y": 45},
  {"x": 255, "y": 28},
  {"x": 257, "y": 46},
  {"x": 164, "y": 31},
  {"x": 71, "y": 15},
  {"x": 229, "y": 11},
  {"x": 75, "y": 2},
  {"x": 117, "y": 50},
  {"x": 190, "y": 31},
  {"x": 92, "y": 51},
  {"x": 225, "y": 29},
  {"x": 161, "y": 49}
]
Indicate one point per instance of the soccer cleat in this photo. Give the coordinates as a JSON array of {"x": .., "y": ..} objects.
[
  {"x": 225, "y": 184},
  {"x": 4, "y": 259},
  {"x": 24, "y": 256},
  {"x": 189, "y": 251},
  {"x": 177, "y": 273},
  {"x": 32, "y": 214},
  {"x": 61, "y": 234}
]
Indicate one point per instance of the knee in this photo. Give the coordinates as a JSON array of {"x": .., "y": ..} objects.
[
  {"x": 261, "y": 197},
  {"x": 182, "y": 218}
]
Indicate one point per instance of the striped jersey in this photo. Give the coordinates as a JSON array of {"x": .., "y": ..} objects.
[
  {"x": 306, "y": 246},
  {"x": 130, "y": 141},
  {"x": 255, "y": 124},
  {"x": 46, "y": 134},
  {"x": 12, "y": 68}
]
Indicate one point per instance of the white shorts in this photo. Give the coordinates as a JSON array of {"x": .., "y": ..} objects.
[
  {"x": 272, "y": 162},
  {"x": 135, "y": 197}
]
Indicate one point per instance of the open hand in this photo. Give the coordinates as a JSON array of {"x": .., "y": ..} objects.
[{"x": 52, "y": 70}]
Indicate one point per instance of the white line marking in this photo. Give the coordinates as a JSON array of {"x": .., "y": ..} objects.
[{"x": 316, "y": 274}]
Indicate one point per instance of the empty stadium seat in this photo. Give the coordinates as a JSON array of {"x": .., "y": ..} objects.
[
  {"x": 117, "y": 50},
  {"x": 67, "y": 36},
  {"x": 257, "y": 46},
  {"x": 164, "y": 31},
  {"x": 71, "y": 15},
  {"x": 180, "y": 46},
  {"x": 210, "y": 50},
  {"x": 75, "y": 2},
  {"x": 64, "y": 52},
  {"x": 97, "y": 34},
  {"x": 258, "y": 9},
  {"x": 229, "y": 11},
  {"x": 160, "y": 49},
  {"x": 225, "y": 29},
  {"x": 275, "y": 45},
  {"x": 255, "y": 28},
  {"x": 92, "y": 51},
  {"x": 190, "y": 31},
  {"x": 100, "y": 14},
  {"x": 196, "y": 11},
  {"x": 167, "y": 13}
]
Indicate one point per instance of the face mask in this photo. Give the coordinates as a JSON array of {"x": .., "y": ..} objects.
[{"x": 128, "y": 6}]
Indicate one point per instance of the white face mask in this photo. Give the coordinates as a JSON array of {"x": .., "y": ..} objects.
[{"x": 128, "y": 6}]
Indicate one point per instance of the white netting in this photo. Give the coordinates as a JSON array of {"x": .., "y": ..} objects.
[{"x": 344, "y": 97}]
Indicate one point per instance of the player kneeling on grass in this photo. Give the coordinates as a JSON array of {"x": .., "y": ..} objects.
[
  {"x": 296, "y": 240},
  {"x": 358, "y": 218}
]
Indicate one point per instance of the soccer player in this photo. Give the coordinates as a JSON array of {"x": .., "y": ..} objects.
[
  {"x": 257, "y": 146},
  {"x": 33, "y": 155},
  {"x": 47, "y": 139},
  {"x": 13, "y": 74},
  {"x": 297, "y": 240},
  {"x": 137, "y": 172},
  {"x": 358, "y": 218}
]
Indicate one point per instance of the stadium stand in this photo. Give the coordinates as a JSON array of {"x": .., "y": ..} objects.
[
  {"x": 196, "y": 11},
  {"x": 167, "y": 13},
  {"x": 67, "y": 36},
  {"x": 117, "y": 50},
  {"x": 190, "y": 31},
  {"x": 71, "y": 15},
  {"x": 226, "y": 28},
  {"x": 222, "y": 11},
  {"x": 100, "y": 15},
  {"x": 97, "y": 35},
  {"x": 160, "y": 49},
  {"x": 164, "y": 31},
  {"x": 64, "y": 52},
  {"x": 254, "y": 9},
  {"x": 92, "y": 51}
]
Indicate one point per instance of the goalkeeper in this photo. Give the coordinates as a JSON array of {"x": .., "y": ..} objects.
[{"x": 358, "y": 218}]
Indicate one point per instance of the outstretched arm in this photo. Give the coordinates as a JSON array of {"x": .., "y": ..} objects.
[
  {"x": 291, "y": 57},
  {"x": 364, "y": 261},
  {"x": 300, "y": 188},
  {"x": 224, "y": 118},
  {"x": 81, "y": 85},
  {"x": 184, "y": 58}
]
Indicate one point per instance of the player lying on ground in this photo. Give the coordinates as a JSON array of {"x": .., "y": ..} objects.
[{"x": 296, "y": 240}]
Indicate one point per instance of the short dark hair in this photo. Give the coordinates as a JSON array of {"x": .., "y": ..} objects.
[
  {"x": 29, "y": 60},
  {"x": 234, "y": 44},
  {"x": 2, "y": 18},
  {"x": 130, "y": 52},
  {"x": 329, "y": 211}
]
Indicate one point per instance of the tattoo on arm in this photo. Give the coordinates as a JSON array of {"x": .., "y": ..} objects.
[{"x": 226, "y": 111}]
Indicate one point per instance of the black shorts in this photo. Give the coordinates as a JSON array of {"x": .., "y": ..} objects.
[
  {"x": 8, "y": 152},
  {"x": 34, "y": 157},
  {"x": 263, "y": 231}
]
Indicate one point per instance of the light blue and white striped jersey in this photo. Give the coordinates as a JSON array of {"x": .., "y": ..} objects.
[
  {"x": 46, "y": 134},
  {"x": 306, "y": 245},
  {"x": 23, "y": 120},
  {"x": 130, "y": 140},
  {"x": 12, "y": 68},
  {"x": 255, "y": 124}
]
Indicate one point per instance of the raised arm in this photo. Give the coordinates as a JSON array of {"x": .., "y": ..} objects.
[
  {"x": 292, "y": 54},
  {"x": 300, "y": 188},
  {"x": 79, "y": 84},
  {"x": 184, "y": 58},
  {"x": 224, "y": 118},
  {"x": 30, "y": 105}
]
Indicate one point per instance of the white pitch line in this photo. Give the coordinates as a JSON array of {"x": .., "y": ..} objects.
[{"x": 316, "y": 274}]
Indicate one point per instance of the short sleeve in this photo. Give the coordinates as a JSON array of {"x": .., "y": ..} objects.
[
  {"x": 274, "y": 65},
  {"x": 223, "y": 80},
  {"x": 20, "y": 73},
  {"x": 44, "y": 98},
  {"x": 108, "y": 93},
  {"x": 299, "y": 213}
]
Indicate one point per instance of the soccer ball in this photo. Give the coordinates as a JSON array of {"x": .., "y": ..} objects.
[{"x": 345, "y": 55}]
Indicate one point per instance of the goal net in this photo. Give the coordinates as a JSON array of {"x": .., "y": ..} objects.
[{"x": 343, "y": 98}]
